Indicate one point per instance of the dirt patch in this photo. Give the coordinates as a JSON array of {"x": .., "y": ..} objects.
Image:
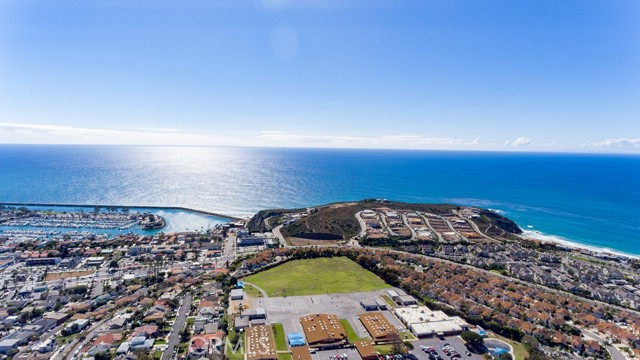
[
  {"x": 68, "y": 274},
  {"x": 294, "y": 241}
]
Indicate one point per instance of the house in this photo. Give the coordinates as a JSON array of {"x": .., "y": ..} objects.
[
  {"x": 198, "y": 347},
  {"x": 45, "y": 346},
  {"x": 369, "y": 305},
  {"x": 118, "y": 323},
  {"x": 141, "y": 342},
  {"x": 236, "y": 294},
  {"x": 8, "y": 345},
  {"x": 76, "y": 326},
  {"x": 366, "y": 350},
  {"x": 59, "y": 317},
  {"x": 98, "y": 349},
  {"x": 107, "y": 338},
  {"x": 406, "y": 300},
  {"x": 123, "y": 348}
]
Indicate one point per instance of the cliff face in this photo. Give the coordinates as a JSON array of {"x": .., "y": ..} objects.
[{"x": 499, "y": 223}]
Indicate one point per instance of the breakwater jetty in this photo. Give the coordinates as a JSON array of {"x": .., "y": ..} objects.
[{"x": 156, "y": 207}]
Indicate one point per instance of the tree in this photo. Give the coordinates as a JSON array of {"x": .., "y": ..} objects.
[
  {"x": 472, "y": 339},
  {"x": 504, "y": 356},
  {"x": 103, "y": 356},
  {"x": 113, "y": 264},
  {"x": 396, "y": 343},
  {"x": 185, "y": 334}
]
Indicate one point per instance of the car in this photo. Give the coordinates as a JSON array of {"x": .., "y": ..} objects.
[
  {"x": 411, "y": 357},
  {"x": 467, "y": 353}
]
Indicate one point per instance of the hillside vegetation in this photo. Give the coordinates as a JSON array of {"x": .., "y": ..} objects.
[{"x": 338, "y": 222}]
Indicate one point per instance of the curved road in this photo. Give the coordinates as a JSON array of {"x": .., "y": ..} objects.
[
  {"x": 264, "y": 293},
  {"x": 613, "y": 351}
]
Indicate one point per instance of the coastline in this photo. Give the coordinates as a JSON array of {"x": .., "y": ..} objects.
[
  {"x": 155, "y": 207},
  {"x": 536, "y": 235},
  {"x": 528, "y": 234}
]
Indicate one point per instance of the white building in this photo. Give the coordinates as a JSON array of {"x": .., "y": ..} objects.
[{"x": 423, "y": 322}]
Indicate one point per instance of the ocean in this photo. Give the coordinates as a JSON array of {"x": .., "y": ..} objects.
[{"x": 593, "y": 200}]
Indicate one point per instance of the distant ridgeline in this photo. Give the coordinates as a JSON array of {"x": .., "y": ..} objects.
[{"x": 338, "y": 221}]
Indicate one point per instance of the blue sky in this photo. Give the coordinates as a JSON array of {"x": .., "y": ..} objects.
[{"x": 489, "y": 75}]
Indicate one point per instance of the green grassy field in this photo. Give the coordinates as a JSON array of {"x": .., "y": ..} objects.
[
  {"x": 351, "y": 334},
  {"x": 278, "y": 335},
  {"x": 251, "y": 291},
  {"x": 317, "y": 276}
]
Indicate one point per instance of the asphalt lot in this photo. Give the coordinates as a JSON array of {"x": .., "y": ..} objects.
[
  {"x": 351, "y": 353},
  {"x": 455, "y": 341},
  {"x": 289, "y": 310}
]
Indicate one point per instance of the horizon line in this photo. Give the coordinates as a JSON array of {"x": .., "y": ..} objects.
[{"x": 498, "y": 150}]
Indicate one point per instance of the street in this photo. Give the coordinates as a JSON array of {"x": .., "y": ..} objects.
[
  {"x": 174, "y": 337},
  {"x": 613, "y": 351}
]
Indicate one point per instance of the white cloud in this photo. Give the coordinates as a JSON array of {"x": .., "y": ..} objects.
[
  {"x": 619, "y": 143},
  {"x": 521, "y": 141},
  {"x": 157, "y": 129},
  {"x": 15, "y": 133},
  {"x": 401, "y": 141}
]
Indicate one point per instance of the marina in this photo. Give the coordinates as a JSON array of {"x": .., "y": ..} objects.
[{"x": 52, "y": 222}]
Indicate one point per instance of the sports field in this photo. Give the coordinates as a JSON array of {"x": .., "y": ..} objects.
[{"x": 316, "y": 276}]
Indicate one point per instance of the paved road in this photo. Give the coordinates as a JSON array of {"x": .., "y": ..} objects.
[
  {"x": 74, "y": 345},
  {"x": 264, "y": 293},
  {"x": 228, "y": 251},
  {"x": 44, "y": 337},
  {"x": 406, "y": 223},
  {"x": 278, "y": 234},
  {"x": 613, "y": 351},
  {"x": 174, "y": 337},
  {"x": 363, "y": 226},
  {"x": 426, "y": 221},
  {"x": 474, "y": 226}
]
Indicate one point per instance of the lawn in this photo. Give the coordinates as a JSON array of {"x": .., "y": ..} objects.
[
  {"x": 251, "y": 291},
  {"x": 278, "y": 335},
  {"x": 407, "y": 335},
  {"x": 519, "y": 350},
  {"x": 316, "y": 276},
  {"x": 389, "y": 301},
  {"x": 384, "y": 349},
  {"x": 351, "y": 334},
  {"x": 236, "y": 355}
]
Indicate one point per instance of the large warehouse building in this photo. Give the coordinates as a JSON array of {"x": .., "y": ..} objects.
[
  {"x": 426, "y": 323},
  {"x": 260, "y": 343},
  {"x": 379, "y": 327},
  {"x": 323, "y": 330}
]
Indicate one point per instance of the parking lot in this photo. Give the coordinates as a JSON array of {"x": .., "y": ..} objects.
[
  {"x": 336, "y": 354},
  {"x": 456, "y": 342},
  {"x": 289, "y": 310}
]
